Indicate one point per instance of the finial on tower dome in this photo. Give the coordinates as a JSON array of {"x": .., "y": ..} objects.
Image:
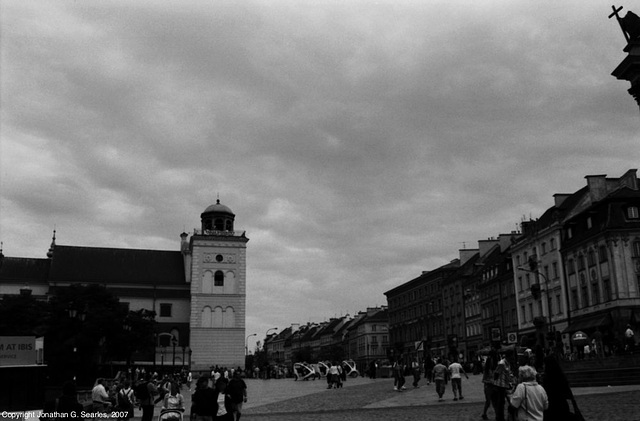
[{"x": 53, "y": 245}]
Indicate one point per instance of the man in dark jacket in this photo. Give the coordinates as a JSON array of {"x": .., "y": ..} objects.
[
  {"x": 204, "y": 405},
  {"x": 236, "y": 395}
]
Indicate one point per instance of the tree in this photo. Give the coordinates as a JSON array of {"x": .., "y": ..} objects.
[
  {"x": 23, "y": 315},
  {"x": 136, "y": 341},
  {"x": 84, "y": 330}
]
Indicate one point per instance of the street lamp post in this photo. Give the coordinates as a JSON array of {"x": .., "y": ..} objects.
[
  {"x": 266, "y": 336},
  {"x": 246, "y": 344},
  {"x": 78, "y": 317},
  {"x": 127, "y": 329},
  {"x": 174, "y": 342},
  {"x": 535, "y": 271}
]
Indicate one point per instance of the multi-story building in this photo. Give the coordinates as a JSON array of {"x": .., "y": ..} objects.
[
  {"x": 368, "y": 337},
  {"x": 496, "y": 321},
  {"x": 416, "y": 314},
  {"x": 601, "y": 252},
  {"x": 537, "y": 269},
  {"x": 575, "y": 268},
  {"x": 453, "y": 308},
  {"x": 198, "y": 292}
]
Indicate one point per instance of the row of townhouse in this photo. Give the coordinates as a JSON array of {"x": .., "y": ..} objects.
[
  {"x": 576, "y": 268},
  {"x": 362, "y": 338}
]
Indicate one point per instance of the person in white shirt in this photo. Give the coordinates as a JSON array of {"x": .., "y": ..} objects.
[
  {"x": 100, "y": 397},
  {"x": 456, "y": 371}
]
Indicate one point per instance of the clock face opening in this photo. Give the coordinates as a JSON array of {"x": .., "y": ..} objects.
[{"x": 219, "y": 258}]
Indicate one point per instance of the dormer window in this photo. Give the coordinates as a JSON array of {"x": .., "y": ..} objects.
[{"x": 632, "y": 212}]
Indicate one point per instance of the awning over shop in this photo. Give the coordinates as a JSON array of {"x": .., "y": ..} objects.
[{"x": 588, "y": 323}]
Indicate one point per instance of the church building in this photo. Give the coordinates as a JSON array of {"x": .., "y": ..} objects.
[{"x": 197, "y": 292}]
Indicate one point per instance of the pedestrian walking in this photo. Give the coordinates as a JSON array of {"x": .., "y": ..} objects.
[
  {"x": 236, "y": 395},
  {"x": 428, "y": 369},
  {"x": 373, "y": 367},
  {"x": 502, "y": 383},
  {"x": 529, "y": 399},
  {"x": 203, "y": 401},
  {"x": 440, "y": 377},
  {"x": 490, "y": 366},
  {"x": 416, "y": 369},
  {"x": 124, "y": 401},
  {"x": 144, "y": 392},
  {"x": 335, "y": 376},
  {"x": 398, "y": 374},
  {"x": 456, "y": 371}
]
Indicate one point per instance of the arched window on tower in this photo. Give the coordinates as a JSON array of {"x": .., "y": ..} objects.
[
  {"x": 218, "y": 224},
  {"x": 229, "y": 317},
  {"x": 207, "y": 282},
  {"x": 218, "y": 279},
  {"x": 217, "y": 317},
  {"x": 229, "y": 225},
  {"x": 207, "y": 317},
  {"x": 229, "y": 283}
]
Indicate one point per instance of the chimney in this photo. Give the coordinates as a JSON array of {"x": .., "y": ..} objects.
[
  {"x": 597, "y": 187},
  {"x": 526, "y": 227},
  {"x": 630, "y": 179},
  {"x": 466, "y": 254},
  {"x": 485, "y": 245},
  {"x": 506, "y": 240},
  {"x": 559, "y": 198}
]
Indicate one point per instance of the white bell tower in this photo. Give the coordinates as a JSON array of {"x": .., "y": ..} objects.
[{"x": 217, "y": 258}]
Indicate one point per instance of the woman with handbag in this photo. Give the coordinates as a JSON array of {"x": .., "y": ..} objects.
[{"x": 529, "y": 398}]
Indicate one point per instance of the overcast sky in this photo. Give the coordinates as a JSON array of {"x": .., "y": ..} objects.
[{"x": 358, "y": 142}]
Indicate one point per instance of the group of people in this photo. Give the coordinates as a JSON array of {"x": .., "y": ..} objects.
[
  {"x": 527, "y": 394},
  {"x": 216, "y": 397},
  {"x": 219, "y": 398},
  {"x": 336, "y": 375},
  {"x": 439, "y": 371}
]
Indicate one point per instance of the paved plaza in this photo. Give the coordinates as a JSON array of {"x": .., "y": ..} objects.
[{"x": 367, "y": 399}]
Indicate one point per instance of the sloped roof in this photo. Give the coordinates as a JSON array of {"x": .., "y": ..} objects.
[
  {"x": 22, "y": 269},
  {"x": 444, "y": 270},
  {"x": 113, "y": 266}
]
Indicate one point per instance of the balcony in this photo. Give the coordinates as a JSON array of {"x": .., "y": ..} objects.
[{"x": 217, "y": 233}]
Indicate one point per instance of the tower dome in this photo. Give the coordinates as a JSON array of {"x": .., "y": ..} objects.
[
  {"x": 218, "y": 208},
  {"x": 217, "y": 217}
]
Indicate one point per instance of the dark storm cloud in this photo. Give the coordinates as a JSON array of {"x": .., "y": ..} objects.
[{"x": 358, "y": 143}]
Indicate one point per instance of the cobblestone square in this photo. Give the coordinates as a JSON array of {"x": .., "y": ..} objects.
[{"x": 366, "y": 399}]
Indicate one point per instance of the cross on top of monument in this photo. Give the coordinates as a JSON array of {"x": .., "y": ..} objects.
[{"x": 630, "y": 23}]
